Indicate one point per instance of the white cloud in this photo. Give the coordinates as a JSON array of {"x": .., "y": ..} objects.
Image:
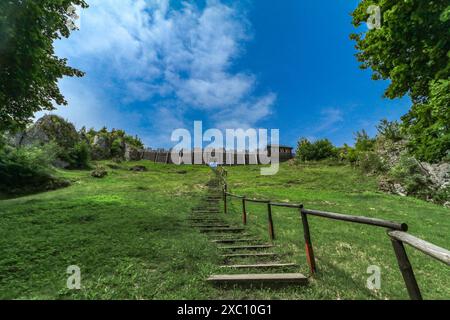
[
  {"x": 145, "y": 49},
  {"x": 330, "y": 120}
]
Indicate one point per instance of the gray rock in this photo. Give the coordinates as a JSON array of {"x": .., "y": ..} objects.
[
  {"x": 101, "y": 148},
  {"x": 439, "y": 174},
  {"x": 138, "y": 169},
  {"x": 132, "y": 154},
  {"x": 49, "y": 128}
]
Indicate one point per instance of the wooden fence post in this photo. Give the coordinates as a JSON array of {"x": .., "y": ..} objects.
[
  {"x": 406, "y": 270},
  {"x": 308, "y": 243},
  {"x": 225, "y": 198},
  {"x": 269, "y": 213},
  {"x": 244, "y": 212}
]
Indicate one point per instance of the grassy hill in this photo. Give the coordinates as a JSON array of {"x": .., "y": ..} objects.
[{"x": 129, "y": 235}]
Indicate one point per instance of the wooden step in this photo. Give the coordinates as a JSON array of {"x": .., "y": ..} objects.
[
  {"x": 249, "y": 255},
  {"x": 260, "y": 266},
  {"x": 233, "y": 240},
  {"x": 255, "y": 247},
  {"x": 259, "y": 279},
  {"x": 222, "y": 230},
  {"x": 211, "y": 225}
]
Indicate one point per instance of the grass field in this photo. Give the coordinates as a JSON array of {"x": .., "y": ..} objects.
[{"x": 129, "y": 235}]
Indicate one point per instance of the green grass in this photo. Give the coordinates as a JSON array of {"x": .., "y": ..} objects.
[
  {"x": 343, "y": 250},
  {"x": 129, "y": 235}
]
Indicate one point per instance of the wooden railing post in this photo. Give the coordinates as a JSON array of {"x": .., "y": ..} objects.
[
  {"x": 269, "y": 213},
  {"x": 406, "y": 270},
  {"x": 225, "y": 198},
  {"x": 308, "y": 243},
  {"x": 244, "y": 212}
]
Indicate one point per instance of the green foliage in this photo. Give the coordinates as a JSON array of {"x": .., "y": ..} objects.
[
  {"x": 28, "y": 169},
  {"x": 29, "y": 68},
  {"x": 117, "y": 148},
  {"x": 363, "y": 142},
  {"x": 410, "y": 175},
  {"x": 80, "y": 156},
  {"x": 412, "y": 50},
  {"x": 134, "y": 141},
  {"x": 411, "y": 47},
  {"x": 428, "y": 124},
  {"x": 370, "y": 162},
  {"x": 315, "y": 151},
  {"x": 347, "y": 154},
  {"x": 99, "y": 172},
  {"x": 390, "y": 130}
]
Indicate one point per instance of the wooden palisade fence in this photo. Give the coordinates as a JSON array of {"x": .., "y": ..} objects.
[{"x": 396, "y": 232}]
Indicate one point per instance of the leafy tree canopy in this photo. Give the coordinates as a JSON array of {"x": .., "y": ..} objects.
[
  {"x": 412, "y": 50},
  {"x": 29, "y": 68}
]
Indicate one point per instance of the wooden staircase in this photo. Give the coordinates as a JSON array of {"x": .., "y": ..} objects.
[{"x": 239, "y": 250}]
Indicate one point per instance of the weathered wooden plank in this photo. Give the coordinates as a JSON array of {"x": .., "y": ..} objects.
[
  {"x": 233, "y": 240},
  {"x": 250, "y": 255},
  {"x": 275, "y": 278},
  {"x": 428, "y": 248},
  {"x": 358, "y": 219},
  {"x": 255, "y": 247},
  {"x": 259, "y": 266},
  {"x": 222, "y": 230},
  {"x": 211, "y": 225}
]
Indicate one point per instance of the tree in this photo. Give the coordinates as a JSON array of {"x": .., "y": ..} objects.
[
  {"x": 411, "y": 47},
  {"x": 29, "y": 68},
  {"x": 412, "y": 50},
  {"x": 319, "y": 150},
  {"x": 429, "y": 124},
  {"x": 363, "y": 142}
]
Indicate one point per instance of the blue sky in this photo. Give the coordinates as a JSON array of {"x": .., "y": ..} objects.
[{"x": 153, "y": 66}]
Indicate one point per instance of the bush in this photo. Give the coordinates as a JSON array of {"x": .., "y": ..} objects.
[
  {"x": 390, "y": 130},
  {"x": 410, "y": 175},
  {"x": 80, "y": 156},
  {"x": 363, "y": 142},
  {"x": 371, "y": 163},
  {"x": 117, "y": 148},
  {"x": 99, "y": 172},
  {"x": 28, "y": 169},
  {"x": 318, "y": 150}
]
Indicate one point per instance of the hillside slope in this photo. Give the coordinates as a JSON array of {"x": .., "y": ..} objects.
[{"x": 129, "y": 235}]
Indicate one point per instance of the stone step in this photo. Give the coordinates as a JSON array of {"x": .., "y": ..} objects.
[
  {"x": 255, "y": 247},
  {"x": 259, "y": 266},
  {"x": 258, "y": 279}
]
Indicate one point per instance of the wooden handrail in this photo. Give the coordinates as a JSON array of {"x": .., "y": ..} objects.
[
  {"x": 358, "y": 219},
  {"x": 397, "y": 233},
  {"x": 428, "y": 248}
]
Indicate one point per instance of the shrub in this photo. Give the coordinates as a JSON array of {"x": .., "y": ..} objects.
[
  {"x": 363, "y": 142},
  {"x": 80, "y": 156},
  {"x": 390, "y": 130},
  {"x": 371, "y": 163},
  {"x": 410, "y": 175},
  {"x": 117, "y": 148},
  {"x": 99, "y": 172},
  {"x": 28, "y": 169},
  {"x": 318, "y": 150}
]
